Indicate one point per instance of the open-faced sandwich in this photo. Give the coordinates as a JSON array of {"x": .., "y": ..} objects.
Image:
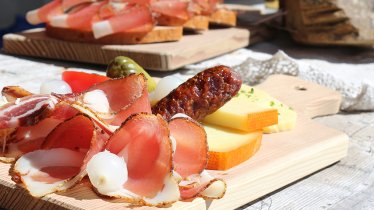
[{"x": 128, "y": 21}]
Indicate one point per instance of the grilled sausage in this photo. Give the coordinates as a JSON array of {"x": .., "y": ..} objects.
[{"x": 200, "y": 95}]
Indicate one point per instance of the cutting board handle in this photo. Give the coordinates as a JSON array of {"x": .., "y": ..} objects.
[{"x": 307, "y": 98}]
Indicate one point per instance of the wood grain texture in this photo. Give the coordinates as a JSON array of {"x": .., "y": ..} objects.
[
  {"x": 282, "y": 159},
  {"x": 346, "y": 185},
  {"x": 156, "y": 56}
]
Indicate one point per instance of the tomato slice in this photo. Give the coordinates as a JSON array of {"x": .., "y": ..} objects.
[{"x": 81, "y": 81}]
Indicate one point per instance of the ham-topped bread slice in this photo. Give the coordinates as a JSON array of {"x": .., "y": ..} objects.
[{"x": 126, "y": 21}]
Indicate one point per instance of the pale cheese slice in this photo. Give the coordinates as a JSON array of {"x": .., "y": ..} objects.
[
  {"x": 252, "y": 109},
  {"x": 228, "y": 147},
  {"x": 244, "y": 112}
]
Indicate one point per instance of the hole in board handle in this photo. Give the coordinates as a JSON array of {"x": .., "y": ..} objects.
[{"x": 301, "y": 88}]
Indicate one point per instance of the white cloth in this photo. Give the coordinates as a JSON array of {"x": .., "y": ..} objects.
[
  {"x": 354, "y": 81},
  {"x": 27, "y": 74}
]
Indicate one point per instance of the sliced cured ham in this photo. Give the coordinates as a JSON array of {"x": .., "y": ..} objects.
[
  {"x": 113, "y": 8},
  {"x": 81, "y": 19},
  {"x": 69, "y": 4},
  {"x": 11, "y": 93},
  {"x": 191, "y": 141},
  {"x": 171, "y": 8},
  {"x": 25, "y": 111},
  {"x": 136, "y": 16},
  {"x": 29, "y": 138},
  {"x": 115, "y": 100},
  {"x": 61, "y": 162},
  {"x": 143, "y": 143},
  {"x": 202, "y": 185},
  {"x": 44, "y": 13},
  {"x": 204, "y": 7}
]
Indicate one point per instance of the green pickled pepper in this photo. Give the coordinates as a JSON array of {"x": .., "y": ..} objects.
[{"x": 122, "y": 66}]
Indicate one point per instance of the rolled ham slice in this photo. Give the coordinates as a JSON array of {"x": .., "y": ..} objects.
[
  {"x": 144, "y": 144},
  {"x": 61, "y": 162},
  {"x": 191, "y": 141}
]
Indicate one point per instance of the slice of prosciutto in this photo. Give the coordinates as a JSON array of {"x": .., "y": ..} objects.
[
  {"x": 62, "y": 161},
  {"x": 115, "y": 100},
  {"x": 44, "y": 13},
  {"x": 191, "y": 141},
  {"x": 11, "y": 93},
  {"x": 25, "y": 111},
  {"x": 136, "y": 17},
  {"x": 70, "y": 4},
  {"x": 81, "y": 19},
  {"x": 171, "y": 8},
  {"x": 29, "y": 138},
  {"x": 144, "y": 149},
  {"x": 203, "y": 7}
]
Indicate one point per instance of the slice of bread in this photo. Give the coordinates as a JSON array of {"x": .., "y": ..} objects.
[
  {"x": 198, "y": 23},
  {"x": 223, "y": 17},
  {"x": 195, "y": 23},
  {"x": 158, "y": 34}
]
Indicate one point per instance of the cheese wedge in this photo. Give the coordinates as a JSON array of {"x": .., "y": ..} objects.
[
  {"x": 286, "y": 119},
  {"x": 253, "y": 109},
  {"x": 286, "y": 115},
  {"x": 228, "y": 147},
  {"x": 245, "y": 112}
]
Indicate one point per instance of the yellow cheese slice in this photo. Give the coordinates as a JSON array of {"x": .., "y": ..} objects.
[
  {"x": 253, "y": 109},
  {"x": 286, "y": 115},
  {"x": 244, "y": 112},
  {"x": 228, "y": 147}
]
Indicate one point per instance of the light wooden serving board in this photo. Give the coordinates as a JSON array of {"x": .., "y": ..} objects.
[
  {"x": 282, "y": 159},
  {"x": 157, "y": 56}
]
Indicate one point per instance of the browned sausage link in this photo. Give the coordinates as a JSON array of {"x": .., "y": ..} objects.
[{"x": 201, "y": 95}]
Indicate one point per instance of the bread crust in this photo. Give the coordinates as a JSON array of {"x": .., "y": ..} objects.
[
  {"x": 158, "y": 34},
  {"x": 223, "y": 17},
  {"x": 197, "y": 22}
]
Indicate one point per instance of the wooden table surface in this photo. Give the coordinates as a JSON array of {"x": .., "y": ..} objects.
[{"x": 348, "y": 184}]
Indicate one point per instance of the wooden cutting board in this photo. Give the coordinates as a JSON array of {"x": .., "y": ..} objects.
[
  {"x": 282, "y": 159},
  {"x": 166, "y": 56}
]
